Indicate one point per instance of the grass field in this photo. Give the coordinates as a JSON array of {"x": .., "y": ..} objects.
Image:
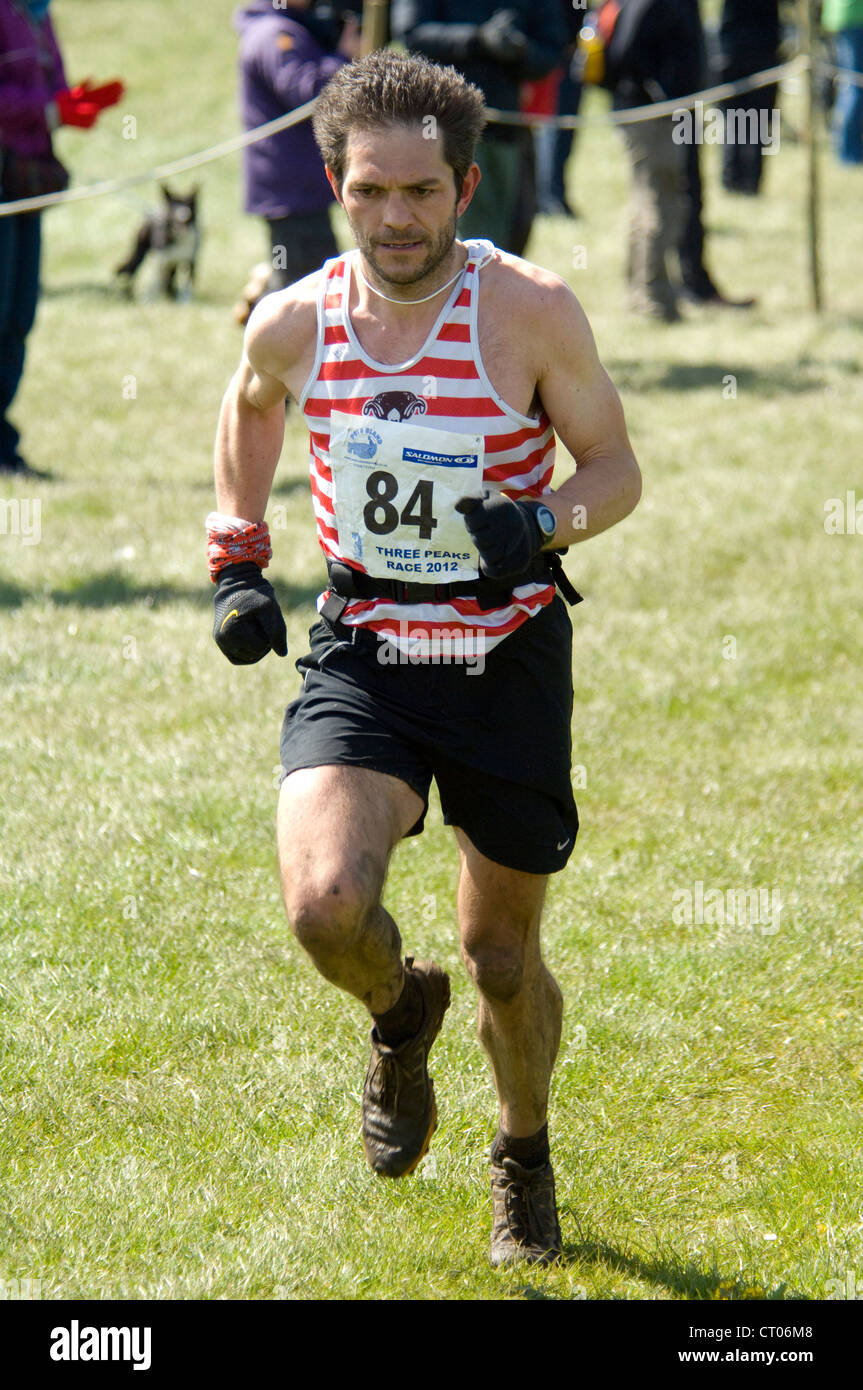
[{"x": 180, "y": 1091}]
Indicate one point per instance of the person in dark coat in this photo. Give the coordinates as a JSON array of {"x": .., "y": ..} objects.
[
  {"x": 697, "y": 284},
  {"x": 497, "y": 49},
  {"x": 553, "y": 147},
  {"x": 286, "y": 57},
  {"x": 748, "y": 43}
]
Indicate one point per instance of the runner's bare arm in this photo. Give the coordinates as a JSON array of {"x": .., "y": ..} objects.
[
  {"x": 587, "y": 416},
  {"x": 252, "y": 418}
]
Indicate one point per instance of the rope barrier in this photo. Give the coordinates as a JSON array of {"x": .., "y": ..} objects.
[
  {"x": 723, "y": 92},
  {"x": 656, "y": 109},
  {"x": 854, "y": 79},
  {"x": 162, "y": 171}
]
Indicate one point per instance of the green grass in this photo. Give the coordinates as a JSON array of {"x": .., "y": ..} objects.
[{"x": 180, "y": 1091}]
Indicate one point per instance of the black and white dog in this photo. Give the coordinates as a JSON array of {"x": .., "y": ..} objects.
[{"x": 174, "y": 236}]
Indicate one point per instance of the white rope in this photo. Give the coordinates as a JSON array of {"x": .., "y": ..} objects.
[
  {"x": 162, "y": 171},
  {"x": 854, "y": 79},
  {"x": 292, "y": 118},
  {"x": 657, "y": 108}
]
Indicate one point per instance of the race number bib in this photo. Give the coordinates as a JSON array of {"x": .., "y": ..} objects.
[{"x": 395, "y": 489}]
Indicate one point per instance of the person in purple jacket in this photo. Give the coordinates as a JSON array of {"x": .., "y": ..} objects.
[
  {"x": 34, "y": 100},
  {"x": 287, "y": 54}
]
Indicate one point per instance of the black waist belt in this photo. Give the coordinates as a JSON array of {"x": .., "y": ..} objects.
[{"x": 347, "y": 583}]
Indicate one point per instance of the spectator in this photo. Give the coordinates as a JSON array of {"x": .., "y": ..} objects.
[
  {"x": 34, "y": 99},
  {"x": 697, "y": 283},
  {"x": 496, "y": 49},
  {"x": 844, "y": 19},
  {"x": 286, "y": 56},
  {"x": 553, "y": 146},
  {"x": 658, "y": 55},
  {"x": 748, "y": 43}
]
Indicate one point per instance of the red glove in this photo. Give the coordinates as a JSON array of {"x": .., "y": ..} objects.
[
  {"x": 106, "y": 95},
  {"x": 75, "y": 108},
  {"x": 81, "y": 106}
]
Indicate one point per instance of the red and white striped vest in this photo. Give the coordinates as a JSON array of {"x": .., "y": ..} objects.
[{"x": 443, "y": 386}]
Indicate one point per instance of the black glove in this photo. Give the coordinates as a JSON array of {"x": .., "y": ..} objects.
[
  {"x": 501, "y": 39},
  {"x": 249, "y": 621},
  {"x": 506, "y": 533}
]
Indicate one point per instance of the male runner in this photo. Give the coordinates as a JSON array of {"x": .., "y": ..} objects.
[{"x": 433, "y": 375}]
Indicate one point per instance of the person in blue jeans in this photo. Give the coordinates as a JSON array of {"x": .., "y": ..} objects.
[
  {"x": 553, "y": 147},
  {"x": 20, "y": 244},
  {"x": 31, "y": 75},
  {"x": 844, "y": 20},
  {"x": 34, "y": 100}
]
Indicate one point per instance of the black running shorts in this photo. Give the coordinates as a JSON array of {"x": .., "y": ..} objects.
[{"x": 497, "y": 742}]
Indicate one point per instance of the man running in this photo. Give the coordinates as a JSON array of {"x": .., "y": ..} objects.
[{"x": 433, "y": 375}]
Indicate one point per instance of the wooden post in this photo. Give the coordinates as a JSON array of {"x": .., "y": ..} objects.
[
  {"x": 376, "y": 21},
  {"x": 809, "y": 31}
]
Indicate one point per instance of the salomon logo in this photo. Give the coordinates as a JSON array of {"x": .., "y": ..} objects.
[{"x": 443, "y": 460}]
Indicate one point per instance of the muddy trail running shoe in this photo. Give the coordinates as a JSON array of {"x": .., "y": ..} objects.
[
  {"x": 399, "y": 1113},
  {"x": 524, "y": 1214}
]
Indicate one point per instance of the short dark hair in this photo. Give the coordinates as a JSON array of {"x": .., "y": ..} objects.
[{"x": 399, "y": 89}]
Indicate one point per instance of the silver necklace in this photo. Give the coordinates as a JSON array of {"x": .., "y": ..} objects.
[{"x": 424, "y": 299}]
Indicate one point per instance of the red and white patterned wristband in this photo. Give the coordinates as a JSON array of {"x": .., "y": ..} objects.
[{"x": 232, "y": 541}]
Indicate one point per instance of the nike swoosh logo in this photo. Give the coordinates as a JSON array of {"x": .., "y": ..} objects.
[
  {"x": 234, "y": 613},
  {"x": 563, "y": 844}
]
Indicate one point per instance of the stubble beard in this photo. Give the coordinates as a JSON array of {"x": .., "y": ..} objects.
[{"x": 438, "y": 252}]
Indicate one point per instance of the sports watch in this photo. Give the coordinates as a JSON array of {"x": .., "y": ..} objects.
[{"x": 546, "y": 521}]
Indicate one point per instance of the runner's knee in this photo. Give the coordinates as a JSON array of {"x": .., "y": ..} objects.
[
  {"x": 496, "y": 966},
  {"x": 327, "y": 917}
]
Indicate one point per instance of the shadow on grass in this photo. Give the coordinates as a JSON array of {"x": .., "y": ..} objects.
[
  {"x": 12, "y": 595},
  {"x": 854, "y": 321},
  {"x": 682, "y": 1278},
  {"x": 112, "y": 590},
  {"x": 727, "y": 229},
  {"x": 96, "y": 289},
  {"x": 288, "y": 486},
  {"x": 779, "y": 380},
  {"x": 142, "y": 299}
]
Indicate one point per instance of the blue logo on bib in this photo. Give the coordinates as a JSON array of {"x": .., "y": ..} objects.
[
  {"x": 440, "y": 460},
  {"x": 363, "y": 443}
]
